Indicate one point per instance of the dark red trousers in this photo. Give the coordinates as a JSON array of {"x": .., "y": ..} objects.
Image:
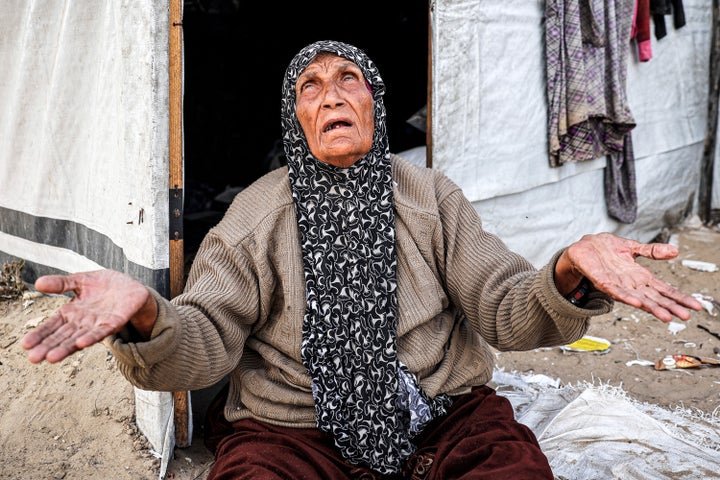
[{"x": 478, "y": 439}]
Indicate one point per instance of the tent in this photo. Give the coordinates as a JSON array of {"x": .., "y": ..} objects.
[
  {"x": 100, "y": 147},
  {"x": 84, "y": 138},
  {"x": 490, "y": 127}
]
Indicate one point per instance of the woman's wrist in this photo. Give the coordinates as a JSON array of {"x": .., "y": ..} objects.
[
  {"x": 579, "y": 295},
  {"x": 144, "y": 320},
  {"x": 567, "y": 277}
]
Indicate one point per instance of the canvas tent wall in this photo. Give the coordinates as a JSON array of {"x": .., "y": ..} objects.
[
  {"x": 84, "y": 137},
  {"x": 490, "y": 126}
]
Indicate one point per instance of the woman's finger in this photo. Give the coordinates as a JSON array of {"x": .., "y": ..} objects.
[
  {"x": 655, "y": 251},
  {"x": 39, "y": 333},
  {"x": 54, "y": 284}
]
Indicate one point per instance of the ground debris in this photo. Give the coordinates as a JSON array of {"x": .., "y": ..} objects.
[{"x": 11, "y": 283}]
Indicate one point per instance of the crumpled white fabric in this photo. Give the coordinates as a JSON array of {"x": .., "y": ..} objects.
[
  {"x": 598, "y": 432},
  {"x": 155, "y": 417}
]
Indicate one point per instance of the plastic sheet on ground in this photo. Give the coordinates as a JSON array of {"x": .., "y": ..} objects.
[
  {"x": 591, "y": 431},
  {"x": 155, "y": 417}
]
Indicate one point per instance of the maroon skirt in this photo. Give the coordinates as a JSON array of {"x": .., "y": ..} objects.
[{"x": 479, "y": 438}]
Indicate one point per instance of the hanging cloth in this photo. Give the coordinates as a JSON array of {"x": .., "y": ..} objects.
[
  {"x": 641, "y": 30},
  {"x": 660, "y": 8},
  {"x": 620, "y": 190},
  {"x": 587, "y": 47}
]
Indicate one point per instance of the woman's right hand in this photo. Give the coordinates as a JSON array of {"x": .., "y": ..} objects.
[{"x": 104, "y": 302}]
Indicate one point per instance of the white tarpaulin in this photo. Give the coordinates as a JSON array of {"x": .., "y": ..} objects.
[
  {"x": 490, "y": 125},
  {"x": 84, "y": 149},
  {"x": 598, "y": 432},
  {"x": 84, "y": 136}
]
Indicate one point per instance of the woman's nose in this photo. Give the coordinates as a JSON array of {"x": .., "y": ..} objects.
[{"x": 332, "y": 97}]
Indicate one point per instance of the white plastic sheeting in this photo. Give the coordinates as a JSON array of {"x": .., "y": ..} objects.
[
  {"x": 84, "y": 135},
  {"x": 599, "y": 432},
  {"x": 155, "y": 416},
  {"x": 489, "y": 124}
]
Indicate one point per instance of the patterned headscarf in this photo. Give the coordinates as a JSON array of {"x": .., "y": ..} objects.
[{"x": 364, "y": 396}]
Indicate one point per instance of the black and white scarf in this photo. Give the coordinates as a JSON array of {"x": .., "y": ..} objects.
[{"x": 364, "y": 396}]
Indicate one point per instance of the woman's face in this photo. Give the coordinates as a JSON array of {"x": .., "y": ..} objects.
[{"x": 335, "y": 108}]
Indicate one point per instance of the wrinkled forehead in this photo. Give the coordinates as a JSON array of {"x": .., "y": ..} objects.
[
  {"x": 324, "y": 48},
  {"x": 322, "y": 61}
]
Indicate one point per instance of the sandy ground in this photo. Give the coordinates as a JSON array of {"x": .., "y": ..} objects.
[{"x": 75, "y": 419}]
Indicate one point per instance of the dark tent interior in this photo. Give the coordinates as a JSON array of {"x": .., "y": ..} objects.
[{"x": 235, "y": 55}]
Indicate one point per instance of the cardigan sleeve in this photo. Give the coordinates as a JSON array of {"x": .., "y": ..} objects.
[{"x": 510, "y": 303}]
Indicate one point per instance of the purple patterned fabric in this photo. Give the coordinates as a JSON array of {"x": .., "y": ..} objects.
[
  {"x": 587, "y": 47},
  {"x": 620, "y": 191}
]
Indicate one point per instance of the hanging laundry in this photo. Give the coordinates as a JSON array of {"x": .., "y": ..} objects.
[
  {"x": 587, "y": 45},
  {"x": 660, "y": 8},
  {"x": 641, "y": 30},
  {"x": 620, "y": 189}
]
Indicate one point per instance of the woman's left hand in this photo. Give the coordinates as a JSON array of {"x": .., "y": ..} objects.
[{"x": 608, "y": 261}]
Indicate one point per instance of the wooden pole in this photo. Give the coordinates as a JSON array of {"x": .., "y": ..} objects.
[
  {"x": 177, "y": 260},
  {"x": 708, "y": 157},
  {"x": 428, "y": 120}
]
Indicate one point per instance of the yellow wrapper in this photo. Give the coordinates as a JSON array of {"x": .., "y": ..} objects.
[{"x": 588, "y": 344}]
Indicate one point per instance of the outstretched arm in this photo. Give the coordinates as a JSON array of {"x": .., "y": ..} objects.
[
  {"x": 608, "y": 261},
  {"x": 104, "y": 302}
]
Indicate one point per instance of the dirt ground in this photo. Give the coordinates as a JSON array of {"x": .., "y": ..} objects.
[{"x": 75, "y": 419}]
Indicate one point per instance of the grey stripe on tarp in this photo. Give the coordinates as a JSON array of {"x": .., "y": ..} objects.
[{"x": 80, "y": 239}]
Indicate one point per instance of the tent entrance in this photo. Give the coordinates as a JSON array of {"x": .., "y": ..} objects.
[
  {"x": 235, "y": 56},
  {"x": 234, "y": 59}
]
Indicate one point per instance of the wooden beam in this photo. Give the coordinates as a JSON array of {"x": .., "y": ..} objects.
[
  {"x": 428, "y": 121},
  {"x": 177, "y": 256}
]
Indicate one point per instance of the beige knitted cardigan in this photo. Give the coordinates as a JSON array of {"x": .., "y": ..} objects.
[{"x": 460, "y": 291}]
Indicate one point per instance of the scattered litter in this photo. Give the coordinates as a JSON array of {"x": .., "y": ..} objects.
[
  {"x": 700, "y": 266},
  {"x": 714, "y": 334},
  {"x": 32, "y": 294},
  {"x": 675, "y": 327},
  {"x": 707, "y": 302},
  {"x": 684, "y": 361},
  {"x": 588, "y": 344},
  {"x": 638, "y": 360},
  {"x": 642, "y": 363},
  {"x": 34, "y": 322}
]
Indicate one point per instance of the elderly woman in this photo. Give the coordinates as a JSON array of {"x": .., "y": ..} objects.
[{"x": 353, "y": 299}]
